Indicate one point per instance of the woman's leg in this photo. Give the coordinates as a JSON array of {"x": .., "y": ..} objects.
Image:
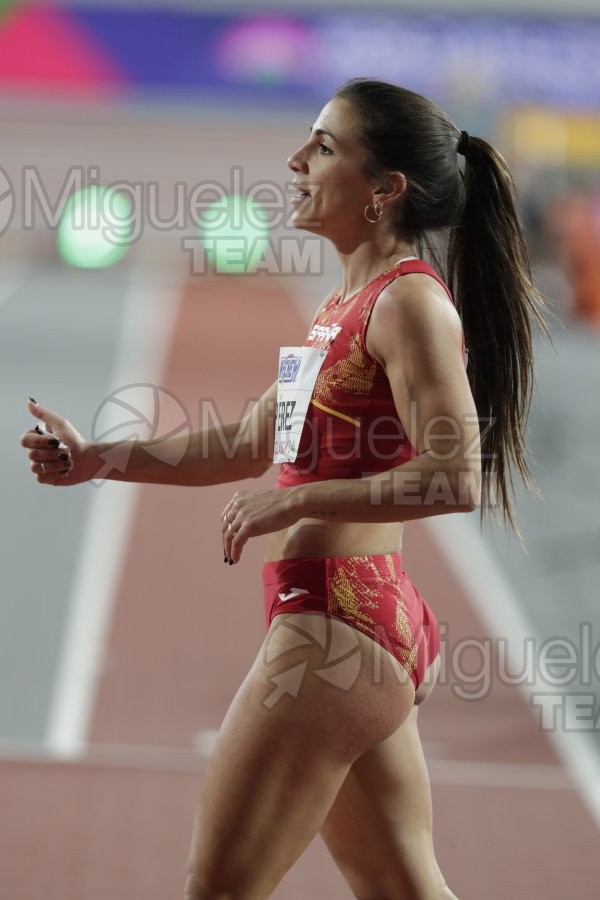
[
  {"x": 379, "y": 830},
  {"x": 285, "y": 748}
]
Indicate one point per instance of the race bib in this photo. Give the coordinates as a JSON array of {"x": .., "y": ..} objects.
[{"x": 298, "y": 370}]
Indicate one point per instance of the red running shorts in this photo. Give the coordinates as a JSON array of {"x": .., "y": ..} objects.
[{"x": 370, "y": 593}]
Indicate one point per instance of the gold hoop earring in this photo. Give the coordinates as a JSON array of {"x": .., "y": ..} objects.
[{"x": 377, "y": 209}]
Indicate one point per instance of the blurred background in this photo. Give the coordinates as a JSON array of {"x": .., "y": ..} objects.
[{"x": 148, "y": 275}]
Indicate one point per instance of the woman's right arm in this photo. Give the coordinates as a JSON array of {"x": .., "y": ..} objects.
[{"x": 224, "y": 453}]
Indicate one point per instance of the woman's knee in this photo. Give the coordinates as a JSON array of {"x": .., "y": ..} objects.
[
  {"x": 223, "y": 886},
  {"x": 196, "y": 889},
  {"x": 199, "y": 886}
]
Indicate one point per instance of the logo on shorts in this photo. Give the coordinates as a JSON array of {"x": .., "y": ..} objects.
[
  {"x": 289, "y": 367},
  {"x": 294, "y": 592}
]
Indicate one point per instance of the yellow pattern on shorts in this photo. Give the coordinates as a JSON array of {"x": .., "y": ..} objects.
[
  {"x": 348, "y": 593},
  {"x": 351, "y": 597},
  {"x": 404, "y": 630}
]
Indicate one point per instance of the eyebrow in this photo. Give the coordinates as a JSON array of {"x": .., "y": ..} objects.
[{"x": 323, "y": 131}]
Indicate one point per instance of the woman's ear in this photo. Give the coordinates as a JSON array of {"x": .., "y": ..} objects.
[{"x": 394, "y": 186}]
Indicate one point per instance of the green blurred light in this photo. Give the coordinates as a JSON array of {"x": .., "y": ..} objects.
[
  {"x": 235, "y": 233},
  {"x": 95, "y": 228},
  {"x": 5, "y": 5}
]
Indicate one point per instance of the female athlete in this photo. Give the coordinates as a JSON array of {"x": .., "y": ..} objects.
[{"x": 376, "y": 420}]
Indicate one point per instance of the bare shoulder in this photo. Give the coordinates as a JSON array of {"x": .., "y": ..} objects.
[{"x": 413, "y": 313}]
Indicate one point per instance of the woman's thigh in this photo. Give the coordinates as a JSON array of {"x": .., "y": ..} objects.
[
  {"x": 379, "y": 830},
  {"x": 285, "y": 748}
]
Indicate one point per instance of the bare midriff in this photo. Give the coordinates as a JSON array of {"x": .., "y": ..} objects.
[{"x": 315, "y": 537}]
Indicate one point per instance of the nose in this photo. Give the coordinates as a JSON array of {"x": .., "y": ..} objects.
[{"x": 296, "y": 162}]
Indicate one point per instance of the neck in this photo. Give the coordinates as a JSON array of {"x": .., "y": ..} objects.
[{"x": 366, "y": 262}]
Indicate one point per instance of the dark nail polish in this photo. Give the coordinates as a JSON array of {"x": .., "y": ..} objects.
[
  {"x": 230, "y": 562},
  {"x": 33, "y": 401},
  {"x": 63, "y": 456},
  {"x": 53, "y": 442},
  {"x": 38, "y": 429},
  {"x": 225, "y": 558}
]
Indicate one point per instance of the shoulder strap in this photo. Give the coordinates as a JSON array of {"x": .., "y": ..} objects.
[
  {"x": 420, "y": 267},
  {"x": 411, "y": 267}
]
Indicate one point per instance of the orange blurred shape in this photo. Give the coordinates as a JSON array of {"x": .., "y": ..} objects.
[{"x": 577, "y": 223}]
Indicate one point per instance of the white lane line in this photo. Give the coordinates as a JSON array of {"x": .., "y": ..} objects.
[
  {"x": 502, "y": 775},
  {"x": 12, "y": 276},
  {"x": 204, "y": 741},
  {"x": 148, "y": 322},
  {"x": 493, "y": 598},
  {"x": 99, "y": 567}
]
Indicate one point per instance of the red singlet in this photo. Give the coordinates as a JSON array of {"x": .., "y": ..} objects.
[{"x": 352, "y": 428}]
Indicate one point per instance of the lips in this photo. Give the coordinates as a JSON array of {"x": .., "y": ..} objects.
[{"x": 301, "y": 193}]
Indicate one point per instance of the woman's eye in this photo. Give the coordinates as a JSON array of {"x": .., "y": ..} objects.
[{"x": 325, "y": 149}]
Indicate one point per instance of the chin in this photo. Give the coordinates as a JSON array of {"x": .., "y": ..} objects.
[{"x": 305, "y": 223}]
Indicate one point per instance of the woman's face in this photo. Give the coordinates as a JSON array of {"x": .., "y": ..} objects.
[{"x": 330, "y": 187}]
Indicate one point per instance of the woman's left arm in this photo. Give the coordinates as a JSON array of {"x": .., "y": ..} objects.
[{"x": 415, "y": 333}]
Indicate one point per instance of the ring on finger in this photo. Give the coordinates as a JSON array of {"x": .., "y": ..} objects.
[
  {"x": 43, "y": 467},
  {"x": 231, "y": 529}
]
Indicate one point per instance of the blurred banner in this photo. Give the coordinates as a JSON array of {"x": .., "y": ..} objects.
[
  {"x": 70, "y": 50},
  {"x": 530, "y": 83}
]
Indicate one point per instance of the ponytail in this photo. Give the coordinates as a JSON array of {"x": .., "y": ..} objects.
[
  {"x": 489, "y": 274},
  {"x": 487, "y": 268}
]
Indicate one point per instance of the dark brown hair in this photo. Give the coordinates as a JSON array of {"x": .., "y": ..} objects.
[{"x": 486, "y": 267}]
